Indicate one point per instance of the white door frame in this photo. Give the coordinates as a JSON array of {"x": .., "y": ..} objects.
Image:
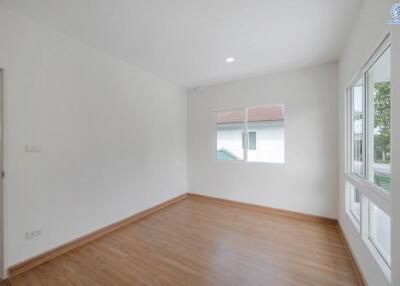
[{"x": 3, "y": 273}]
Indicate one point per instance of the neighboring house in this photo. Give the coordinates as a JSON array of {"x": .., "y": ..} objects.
[{"x": 265, "y": 127}]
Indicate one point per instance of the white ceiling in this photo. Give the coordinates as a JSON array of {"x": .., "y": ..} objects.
[{"x": 187, "y": 41}]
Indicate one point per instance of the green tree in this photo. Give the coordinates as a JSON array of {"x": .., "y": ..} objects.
[{"x": 382, "y": 121}]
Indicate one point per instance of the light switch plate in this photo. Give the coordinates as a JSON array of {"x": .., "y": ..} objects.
[{"x": 33, "y": 148}]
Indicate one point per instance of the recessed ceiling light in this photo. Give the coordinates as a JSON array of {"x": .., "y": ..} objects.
[{"x": 230, "y": 60}]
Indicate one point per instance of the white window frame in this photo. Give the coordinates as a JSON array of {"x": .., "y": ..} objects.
[
  {"x": 246, "y": 134},
  {"x": 369, "y": 192}
]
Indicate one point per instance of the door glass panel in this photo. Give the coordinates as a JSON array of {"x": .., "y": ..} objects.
[
  {"x": 357, "y": 129},
  {"x": 355, "y": 203},
  {"x": 379, "y": 231},
  {"x": 379, "y": 135}
]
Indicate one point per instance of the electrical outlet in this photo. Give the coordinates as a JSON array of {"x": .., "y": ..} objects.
[{"x": 32, "y": 234}]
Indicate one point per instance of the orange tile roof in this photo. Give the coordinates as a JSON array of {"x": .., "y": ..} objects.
[{"x": 254, "y": 114}]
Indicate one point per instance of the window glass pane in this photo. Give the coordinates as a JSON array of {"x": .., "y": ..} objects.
[
  {"x": 252, "y": 140},
  {"x": 355, "y": 203},
  {"x": 268, "y": 123},
  {"x": 379, "y": 231},
  {"x": 230, "y": 130},
  {"x": 357, "y": 129},
  {"x": 379, "y": 170}
]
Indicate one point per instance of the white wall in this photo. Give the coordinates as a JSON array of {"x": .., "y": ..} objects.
[
  {"x": 113, "y": 138},
  {"x": 308, "y": 180},
  {"x": 369, "y": 30}
]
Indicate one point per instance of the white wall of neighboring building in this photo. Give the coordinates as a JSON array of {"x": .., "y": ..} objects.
[
  {"x": 369, "y": 31},
  {"x": 230, "y": 138},
  {"x": 308, "y": 180},
  {"x": 270, "y": 143},
  {"x": 99, "y": 122}
]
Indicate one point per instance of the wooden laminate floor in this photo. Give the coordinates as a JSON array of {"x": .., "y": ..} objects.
[{"x": 203, "y": 242}]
